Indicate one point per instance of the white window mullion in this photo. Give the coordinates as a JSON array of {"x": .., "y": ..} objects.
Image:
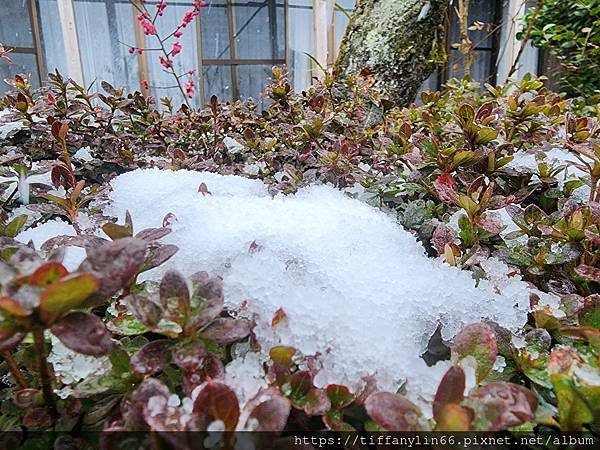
[{"x": 66, "y": 12}]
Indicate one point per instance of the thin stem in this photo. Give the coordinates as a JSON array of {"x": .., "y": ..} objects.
[
  {"x": 66, "y": 155},
  {"x": 172, "y": 69},
  {"x": 466, "y": 46},
  {"x": 15, "y": 371},
  {"x": 44, "y": 371},
  {"x": 143, "y": 10}
]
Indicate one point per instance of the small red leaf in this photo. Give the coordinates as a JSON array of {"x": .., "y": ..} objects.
[
  {"x": 226, "y": 329},
  {"x": 48, "y": 273},
  {"x": 339, "y": 395},
  {"x": 272, "y": 414},
  {"x": 66, "y": 294},
  {"x": 216, "y": 401},
  {"x": 479, "y": 341},
  {"x": 152, "y": 357},
  {"x": 503, "y": 405},
  {"x": 393, "y": 412},
  {"x": 83, "y": 333},
  {"x": 450, "y": 391},
  {"x": 203, "y": 189},
  {"x": 589, "y": 273},
  {"x": 115, "y": 264},
  {"x": 11, "y": 307},
  {"x": 279, "y": 317},
  {"x": 446, "y": 189}
]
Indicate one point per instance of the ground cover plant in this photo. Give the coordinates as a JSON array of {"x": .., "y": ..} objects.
[{"x": 111, "y": 321}]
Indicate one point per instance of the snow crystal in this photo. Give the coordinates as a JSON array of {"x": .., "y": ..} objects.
[
  {"x": 499, "y": 364},
  {"x": 232, "y": 145},
  {"x": 83, "y": 154},
  {"x": 246, "y": 376},
  {"x": 356, "y": 288},
  {"x": 71, "y": 367}
]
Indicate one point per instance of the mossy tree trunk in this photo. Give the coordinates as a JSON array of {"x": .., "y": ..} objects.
[{"x": 399, "y": 42}]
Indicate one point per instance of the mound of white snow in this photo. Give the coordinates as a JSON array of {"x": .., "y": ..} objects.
[{"x": 355, "y": 286}]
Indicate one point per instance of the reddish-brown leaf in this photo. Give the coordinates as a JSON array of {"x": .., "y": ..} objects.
[
  {"x": 450, "y": 391},
  {"x": 479, "y": 341},
  {"x": 393, "y": 412},
  {"x": 446, "y": 189},
  {"x": 152, "y": 357},
  {"x": 83, "y": 333},
  {"x": 216, "y": 401}
]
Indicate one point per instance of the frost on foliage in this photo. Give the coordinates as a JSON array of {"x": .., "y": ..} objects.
[
  {"x": 71, "y": 367},
  {"x": 8, "y": 127},
  {"x": 527, "y": 162},
  {"x": 22, "y": 183},
  {"x": 355, "y": 287},
  {"x": 507, "y": 281}
]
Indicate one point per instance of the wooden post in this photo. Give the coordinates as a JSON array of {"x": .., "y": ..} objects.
[
  {"x": 66, "y": 12},
  {"x": 323, "y": 32}
]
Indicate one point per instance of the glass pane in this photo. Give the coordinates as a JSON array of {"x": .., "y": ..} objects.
[
  {"x": 101, "y": 26},
  {"x": 24, "y": 63},
  {"x": 51, "y": 36},
  {"x": 15, "y": 24},
  {"x": 483, "y": 11},
  {"x": 301, "y": 41},
  {"x": 481, "y": 70},
  {"x": 217, "y": 81},
  {"x": 161, "y": 80},
  {"x": 260, "y": 29},
  {"x": 252, "y": 80},
  {"x": 215, "y": 30}
]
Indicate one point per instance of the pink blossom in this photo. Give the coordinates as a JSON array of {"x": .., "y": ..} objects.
[
  {"x": 131, "y": 50},
  {"x": 176, "y": 49},
  {"x": 165, "y": 62},
  {"x": 145, "y": 84},
  {"x": 189, "y": 87},
  {"x": 191, "y": 72},
  {"x": 161, "y": 5},
  {"x": 178, "y": 34},
  {"x": 188, "y": 17},
  {"x": 199, "y": 5},
  {"x": 146, "y": 25},
  {"x": 139, "y": 51}
]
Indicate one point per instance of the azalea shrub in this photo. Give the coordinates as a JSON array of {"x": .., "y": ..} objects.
[{"x": 481, "y": 175}]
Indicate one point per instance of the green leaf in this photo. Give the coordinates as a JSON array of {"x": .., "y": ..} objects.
[
  {"x": 14, "y": 226},
  {"x": 115, "y": 231},
  {"x": 67, "y": 294},
  {"x": 486, "y": 135},
  {"x": 126, "y": 325},
  {"x": 589, "y": 316}
]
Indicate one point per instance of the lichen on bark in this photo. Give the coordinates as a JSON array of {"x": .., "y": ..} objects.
[{"x": 399, "y": 41}]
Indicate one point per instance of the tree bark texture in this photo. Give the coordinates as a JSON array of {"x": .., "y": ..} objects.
[{"x": 399, "y": 42}]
